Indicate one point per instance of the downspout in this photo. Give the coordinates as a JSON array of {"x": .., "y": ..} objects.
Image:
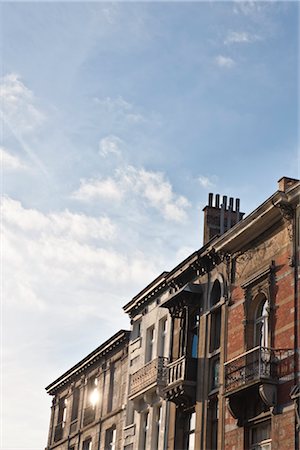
[
  {"x": 101, "y": 412},
  {"x": 295, "y": 263},
  {"x": 166, "y": 437},
  {"x": 204, "y": 400}
]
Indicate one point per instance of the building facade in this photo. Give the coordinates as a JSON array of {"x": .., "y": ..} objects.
[
  {"x": 213, "y": 352},
  {"x": 88, "y": 408}
]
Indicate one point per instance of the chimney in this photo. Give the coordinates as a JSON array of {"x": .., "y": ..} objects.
[
  {"x": 220, "y": 218},
  {"x": 285, "y": 183}
]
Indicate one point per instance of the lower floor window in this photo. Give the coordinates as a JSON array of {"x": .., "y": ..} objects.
[
  {"x": 260, "y": 436},
  {"x": 87, "y": 444},
  {"x": 110, "y": 438}
]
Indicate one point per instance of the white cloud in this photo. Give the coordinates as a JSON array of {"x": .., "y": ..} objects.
[
  {"x": 151, "y": 187},
  {"x": 224, "y": 61},
  {"x": 48, "y": 257},
  {"x": 59, "y": 224},
  {"x": 10, "y": 162},
  {"x": 106, "y": 189},
  {"x": 110, "y": 145},
  {"x": 206, "y": 182},
  {"x": 247, "y": 8},
  {"x": 240, "y": 37},
  {"x": 18, "y": 106}
]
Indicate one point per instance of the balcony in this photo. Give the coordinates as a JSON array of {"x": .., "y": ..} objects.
[
  {"x": 153, "y": 374},
  {"x": 258, "y": 365},
  {"x": 58, "y": 431},
  {"x": 89, "y": 415},
  {"x": 181, "y": 383}
]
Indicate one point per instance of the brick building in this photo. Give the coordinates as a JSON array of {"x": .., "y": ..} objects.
[{"x": 213, "y": 354}]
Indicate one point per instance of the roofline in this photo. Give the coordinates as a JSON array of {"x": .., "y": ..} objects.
[
  {"x": 267, "y": 214},
  {"x": 155, "y": 285},
  {"x": 115, "y": 340}
]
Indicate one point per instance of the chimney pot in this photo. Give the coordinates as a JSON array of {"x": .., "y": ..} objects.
[
  {"x": 237, "y": 204},
  {"x": 210, "y": 199},
  {"x": 217, "y": 204},
  {"x": 231, "y": 203},
  {"x": 225, "y": 201}
]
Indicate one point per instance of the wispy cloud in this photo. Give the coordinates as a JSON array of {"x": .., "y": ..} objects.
[
  {"x": 207, "y": 182},
  {"x": 110, "y": 145},
  {"x": 224, "y": 61},
  {"x": 240, "y": 37},
  {"x": 153, "y": 188},
  {"x": 120, "y": 109},
  {"x": 10, "y": 161},
  {"x": 18, "y": 104}
]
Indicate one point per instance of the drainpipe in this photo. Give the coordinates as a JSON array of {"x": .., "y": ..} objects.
[
  {"x": 295, "y": 263},
  {"x": 101, "y": 412},
  {"x": 166, "y": 438}
]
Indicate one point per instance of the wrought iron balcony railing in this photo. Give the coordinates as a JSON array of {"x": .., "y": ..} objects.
[
  {"x": 258, "y": 364},
  {"x": 89, "y": 415},
  {"x": 58, "y": 431},
  {"x": 153, "y": 373}
]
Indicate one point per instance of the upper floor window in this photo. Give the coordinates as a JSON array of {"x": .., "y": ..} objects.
[
  {"x": 215, "y": 332},
  {"x": 194, "y": 327},
  {"x": 149, "y": 344},
  {"x": 136, "y": 330},
  {"x": 75, "y": 404},
  {"x": 111, "y": 391},
  {"x": 62, "y": 411},
  {"x": 261, "y": 324},
  {"x": 216, "y": 293},
  {"x": 162, "y": 336}
]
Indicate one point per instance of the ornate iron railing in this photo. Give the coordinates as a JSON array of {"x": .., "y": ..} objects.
[
  {"x": 259, "y": 363},
  {"x": 154, "y": 372}
]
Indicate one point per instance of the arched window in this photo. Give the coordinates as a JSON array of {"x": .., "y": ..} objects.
[
  {"x": 216, "y": 293},
  {"x": 261, "y": 325}
]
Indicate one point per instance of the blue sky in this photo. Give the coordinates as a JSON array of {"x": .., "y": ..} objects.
[{"x": 118, "y": 119}]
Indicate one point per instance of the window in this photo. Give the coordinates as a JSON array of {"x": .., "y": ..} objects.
[
  {"x": 261, "y": 328},
  {"x": 259, "y": 437},
  {"x": 110, "y": 438},
  {"x": 144, "y": 430},
  {"x": 156, "y": 427},
  {"x": 75, "y": 404},
  {"x": 214, "y": 417},
  {"x": 136, "y": 330},
  {"x": 149, "y": 344},
  {"x": 111, "y": 386},
  {"x": 87, "y": 444},
  {"x": 129, "y": 413},
  {"x": 162, "y": 337},
  {"x": 62, "y": 411},
  {"x": 215, "y": 368},
  {"x": 195, "y": 318},
  {"x": 216, "y": 293},
  {"x": 215, "y": 332},
  {"x": 190, "y": 431}
]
